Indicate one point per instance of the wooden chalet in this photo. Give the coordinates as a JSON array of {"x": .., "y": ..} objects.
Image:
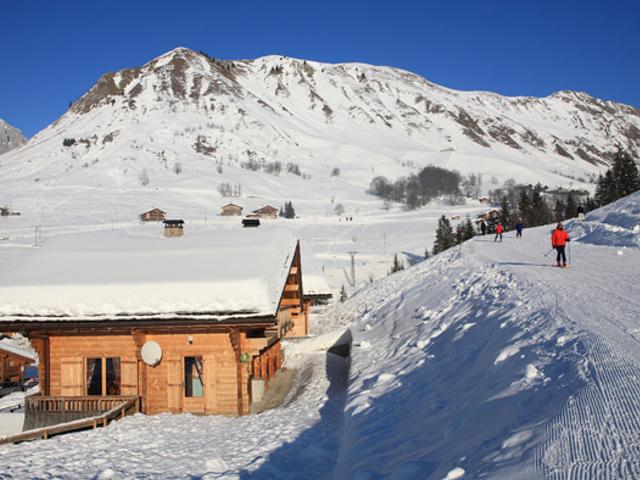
[
  {"x": 231, "y": 209},
  {"x": 266, "y": 212},
  {"x": 13, "y": 359},
  {"x": 154, "y": 215},
  {"x": 316, "y": 290},
  {"x": 181, "y": 326},
  {"x": 173, "y": 228}
]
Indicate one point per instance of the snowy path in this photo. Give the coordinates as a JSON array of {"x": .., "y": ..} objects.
[
  {"x": 297, "y": 440},
  {"x": 489, "y": 359},
  {"x": 600, "y": 296}
]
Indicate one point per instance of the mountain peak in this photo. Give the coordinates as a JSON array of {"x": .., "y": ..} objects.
[
  {"x": 10, "y": 137},
  {"x": 274, "y": 111}
]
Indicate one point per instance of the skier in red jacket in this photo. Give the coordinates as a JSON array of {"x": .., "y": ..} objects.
[
  {"x": 499, "y": 231},
  {"x": 559, "y": 239}
]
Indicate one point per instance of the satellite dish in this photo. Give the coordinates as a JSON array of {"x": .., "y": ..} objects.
[{"x": 151, "y": 353}]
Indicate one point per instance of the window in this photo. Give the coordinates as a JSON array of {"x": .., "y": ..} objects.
[
  {"x": 193, "y": 380},
  {"x": 103, "y": 376}
]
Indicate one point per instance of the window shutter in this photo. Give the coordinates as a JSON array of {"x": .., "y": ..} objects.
[
  {"x": 129, "y": 377},
  {"x": 71, "y": 377}
]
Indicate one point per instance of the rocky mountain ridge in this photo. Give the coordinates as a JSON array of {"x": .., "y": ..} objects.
[
  {"x": 10, "y": 137},
  {"x": 186, "y": 120}
]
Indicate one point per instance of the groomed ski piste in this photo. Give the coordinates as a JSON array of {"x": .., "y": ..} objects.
[{"x": 485, "y": 361}]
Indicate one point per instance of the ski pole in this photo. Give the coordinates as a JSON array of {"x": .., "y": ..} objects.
[
  {"x": 569, "y": 252},
  {"x": 547, "y": 254}
]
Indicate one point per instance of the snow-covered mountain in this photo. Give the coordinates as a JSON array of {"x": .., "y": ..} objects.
[
  {"x": 10, "y": 137},
  {"x": 184, "y": 123}
]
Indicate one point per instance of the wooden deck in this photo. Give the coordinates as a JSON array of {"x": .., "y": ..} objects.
[{"x": 46, "y": 416}]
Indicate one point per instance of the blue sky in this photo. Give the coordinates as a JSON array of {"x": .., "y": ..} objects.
[{"x": 53, "y": 51}]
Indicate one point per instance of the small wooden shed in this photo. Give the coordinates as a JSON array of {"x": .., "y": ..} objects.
[
  {"x": 266, "y": 212},
  {"x": 231, "y": 209},
  {"x": 154, "y": 215},
  {"x": 173, "y": 228},
  {"x": 213, "y": 325},
  {"x": 13, "y": 359},
  {"x": 250, "y": 222}
]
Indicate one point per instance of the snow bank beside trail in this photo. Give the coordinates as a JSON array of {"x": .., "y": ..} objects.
[
  {"x": 617, "y": 224},
  {"x": 452, "y": 373}
]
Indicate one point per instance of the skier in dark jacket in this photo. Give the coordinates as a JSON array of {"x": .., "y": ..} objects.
[
  {"x": 483, "y": 227},
  {"x": 559, "y": 239},
  {"x": 519, "y": 228}
]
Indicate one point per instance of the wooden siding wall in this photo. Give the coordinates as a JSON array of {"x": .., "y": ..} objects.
[
  {"x": 292, "y": 299},
  {"x": 67, "y": 359},
  {"x": 231, "y": 210},
  {"x": 161, "y": 388},
  {"x": 173, "y": 231},
  {"x": 165, "y": 381}
]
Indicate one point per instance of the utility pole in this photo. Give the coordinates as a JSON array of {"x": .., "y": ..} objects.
[{"x": 353, "y": 268}]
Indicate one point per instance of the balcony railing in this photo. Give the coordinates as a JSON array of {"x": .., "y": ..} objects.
[{"x": 46, "y": 416}]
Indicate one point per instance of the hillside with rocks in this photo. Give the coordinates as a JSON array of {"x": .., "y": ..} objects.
[
  {"x": 10, "y": 137},
  {"x": 177, "y": 128}
]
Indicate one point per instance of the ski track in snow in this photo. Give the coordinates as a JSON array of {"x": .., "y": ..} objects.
[{"x": 575, "y": 332}]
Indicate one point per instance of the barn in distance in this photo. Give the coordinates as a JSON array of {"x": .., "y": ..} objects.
[{"x": 91, "y": 305}]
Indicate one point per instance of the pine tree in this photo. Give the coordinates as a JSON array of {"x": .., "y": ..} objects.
[
  {"x": 469, "y": 231},
  {"x": 343, "y": 294},
  {"x": 540, "y": 212},
  {"x": 572, "y": 206},
  {"x": 281, "y": 212},
  {"x": 524, "y": 207},
  {"x": 619, "y": 181},
  {"x": 559, "y": 211},
  {"x": 505, "y": 214},
  {"x": 625, "y": 175},
  {"x": 459, "y": 237},
  {"x": 397, "y": 264},
  {"x": 444, "y": 236},
  {"x": 427, "y": 254},
  {"x": 289, "y": 211}
]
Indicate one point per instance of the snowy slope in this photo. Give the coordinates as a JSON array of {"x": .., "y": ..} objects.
[
  {"x": 490, "y": 360},
  {"x": 187, "y": 123},
  {"x": 616, "y": 224},
  {"x": 10, "y": 137},
  {"x": 484, "y": 361}
]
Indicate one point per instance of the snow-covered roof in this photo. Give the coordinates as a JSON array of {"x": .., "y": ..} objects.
[
  {"x": 118, "y": 276},
  {"x": 314, "y": 281},
  {"x": 9, "y": 345}
]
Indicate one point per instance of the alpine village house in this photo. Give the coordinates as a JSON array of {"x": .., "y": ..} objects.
[{"x": 188, "y": 324}]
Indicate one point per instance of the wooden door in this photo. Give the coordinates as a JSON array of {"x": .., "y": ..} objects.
[
  {"x": 72, "y": 376},
  {"x": 129, "y": 377},
  {"x": 174, "y": 384},
  {"x": 194, "y": 394}
]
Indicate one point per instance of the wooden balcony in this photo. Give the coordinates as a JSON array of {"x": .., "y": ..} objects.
[{"x": 42, "y": 411}]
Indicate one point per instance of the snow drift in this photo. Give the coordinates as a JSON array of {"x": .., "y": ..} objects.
[
  {"x": 487, "y": 360},
  {"x": 616, "y": 224}
]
